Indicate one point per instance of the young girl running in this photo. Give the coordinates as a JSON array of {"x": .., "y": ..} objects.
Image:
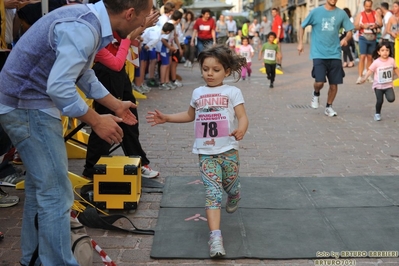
[
  {"x": 247, "y": 52},
  {"x": 220, "y": 122},
  {"x": 383, "y": 67}
]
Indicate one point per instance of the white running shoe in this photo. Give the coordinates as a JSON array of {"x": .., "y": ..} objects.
[
  {"x": 145, "y": 88},
  {"x": 315, "y": 102},
  {"x": 178, "y": 83},
  {"x": 330, "y": 112},
  {"x": 164, "y": 87},
  {"x": 171, "y": 85},
  {"x": 216, "y": 248},
  {"x": 147, "y": 172},
  {"x": 140, "y": 89},
  {"x": 359, "y": 80},
  {"x": 377, "y": 117}
]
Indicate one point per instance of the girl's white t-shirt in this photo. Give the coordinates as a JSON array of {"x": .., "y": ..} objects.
[
  {"x": 215, "y": 118},
  {"x": 245, "y": 51}
]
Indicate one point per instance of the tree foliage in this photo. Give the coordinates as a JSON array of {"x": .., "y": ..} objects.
[{"x": 188, "y": 2}]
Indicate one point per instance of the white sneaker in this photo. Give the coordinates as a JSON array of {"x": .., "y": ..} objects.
[
  {"x": 216, "y": 248},
  {"x": 189, "y": 64},
  {"x": 186, "y": 64},
  {"x": 377, "y": 117},
  {"x": 315, "y": 102},
  {"x": 359, "y": 80},
  {"x": 164, "y": 87},
  {"x": 178, "y": 83},
  {"x": 145, "y": 88},
  {"x": 171, "y": 85},
  {"x": 330, "y": 112},
  {"x": 140, "y": 89},
  {"x": 147, "y": 172}
]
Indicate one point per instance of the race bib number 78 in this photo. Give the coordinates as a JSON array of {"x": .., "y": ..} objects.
[{"x": 211, "y": 129}]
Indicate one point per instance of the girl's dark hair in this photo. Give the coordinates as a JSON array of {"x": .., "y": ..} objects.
[
  {"x": 189, "y": 12},
  {"x": 348, "y": 12},
  {"x": 379, "y": 46},
  {"x": 244, "y": 38},
  {"x": 226, "y": 57}
]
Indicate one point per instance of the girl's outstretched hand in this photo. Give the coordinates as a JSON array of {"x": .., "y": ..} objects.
[
  {"x": 238, "y": 134},
  {"x": 155, "y": 118}
]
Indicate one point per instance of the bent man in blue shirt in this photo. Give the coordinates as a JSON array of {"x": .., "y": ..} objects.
[{"x": 37, "y": 83}]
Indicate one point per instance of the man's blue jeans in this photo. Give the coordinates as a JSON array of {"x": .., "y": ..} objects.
[
  {"x": 48, "y": 191},
  {"x": 202, "y": 44}
]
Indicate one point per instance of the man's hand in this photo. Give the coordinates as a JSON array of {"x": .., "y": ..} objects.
[
  {"x": 300, "y": 48},
  {"x": 343, "y": 42},
  {"x": 125, "y": 114},
  {"x": 108, "y": 129},
  {"x": 151, "y": 19},
  {"x": 11, "y": 4},
  {"x": 135, "y": 33}
]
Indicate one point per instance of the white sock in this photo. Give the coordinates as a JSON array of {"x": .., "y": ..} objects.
[{"x": 216, "y": 233}]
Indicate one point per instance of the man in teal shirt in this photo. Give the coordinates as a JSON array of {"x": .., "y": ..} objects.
[{"x": 326, "y": 21}]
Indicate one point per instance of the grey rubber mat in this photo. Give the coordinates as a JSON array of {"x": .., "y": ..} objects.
[
  {"x": 291, "y": 192},
  {"x": 277, "y": 234},
  {"x": 282, "y": 218},
  {"x": 151, "y": 186}
]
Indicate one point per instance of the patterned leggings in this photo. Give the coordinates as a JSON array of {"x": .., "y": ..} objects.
[{"x": 220, "y": 172}]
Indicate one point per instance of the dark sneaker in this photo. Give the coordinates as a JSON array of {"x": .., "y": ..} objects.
[
  {"x": 232, "y": 205},
  {"x": 152, "y": 83},
  {"x": 7, "y": 200},
  {"x": 271, "y": 86},
  {"x": 9, "y": 156},
  {"x": 13, "y": 179},
  {"x": 17, "y": 159},
  {"x": 216, "y": 248}
]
